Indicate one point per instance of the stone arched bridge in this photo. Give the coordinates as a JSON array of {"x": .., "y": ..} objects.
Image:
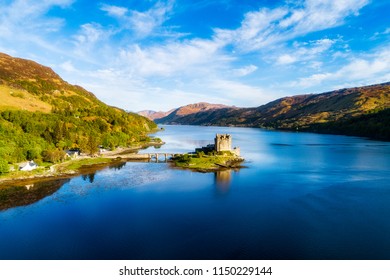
[{"x": 149, "y": 156}]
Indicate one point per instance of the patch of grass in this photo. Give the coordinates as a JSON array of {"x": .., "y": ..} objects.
[
  {"x": 23, "y": 174},
  {"x": 204, "y": 162},
  {"x": 76, "y": 164}
]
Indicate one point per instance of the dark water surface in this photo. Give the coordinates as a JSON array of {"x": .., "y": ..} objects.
[{"x": 301, "y": 196}]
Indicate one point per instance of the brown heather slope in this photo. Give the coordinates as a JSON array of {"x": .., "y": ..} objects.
[
  {"x": 189, "y": 110},
  {"x": 13, "y": 98},
  {"x": 27, "y": 85},
  {"x": 152, "y": 115}
]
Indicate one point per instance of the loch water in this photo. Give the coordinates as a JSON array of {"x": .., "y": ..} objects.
[{"x": 298, "y": 196}]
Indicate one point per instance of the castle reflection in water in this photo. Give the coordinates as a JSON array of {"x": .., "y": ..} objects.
[{"x": 222, "y": 180}]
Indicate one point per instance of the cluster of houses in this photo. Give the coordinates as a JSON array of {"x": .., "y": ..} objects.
[{"x": 31, "y": 165}]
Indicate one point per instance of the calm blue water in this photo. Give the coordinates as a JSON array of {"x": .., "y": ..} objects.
[{"x": 300, "y": 196}]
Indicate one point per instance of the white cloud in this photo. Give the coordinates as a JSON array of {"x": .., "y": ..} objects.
[
  {"x": 286, "y": 59},
  {"x": 27, "y": 15},
  {"x": 324, "y": 14},
  {"x": 267, "y": 27},
  {"x": 144, "y": 23},
  {"x": 92, "y": 44},
  {"x": 244, "y": 71},
  {"x": 90, "y": 33},
  {"x": 241, "y": 93},
  {"x": 371, "y": 67},
  {"x": 26, "y": 28},
  {"x": 186, "y": 57},
  {"x": 305, "y": 51},
  {"x": 380, "y": 34},
  {"x": 68, "y": 66},
  {"x": 114, "y": 11}
]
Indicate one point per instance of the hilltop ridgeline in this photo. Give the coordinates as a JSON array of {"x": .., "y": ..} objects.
[
  {"x": 175, "y": 115},
  {"x": 359, "y": 111},
  {"x": 41, "y": 115}
]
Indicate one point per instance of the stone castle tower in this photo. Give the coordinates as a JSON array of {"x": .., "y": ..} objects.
[{"x": 223, "y": 142}]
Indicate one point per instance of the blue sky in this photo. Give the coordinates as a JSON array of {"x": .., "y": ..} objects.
[{"x": 160, "y": 55}]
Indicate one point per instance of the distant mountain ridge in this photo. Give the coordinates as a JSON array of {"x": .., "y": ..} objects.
[
  {"x": 176, "y": 115},
  {"x": 308, "y": 112},
  {"x": 152, "y": 115}
]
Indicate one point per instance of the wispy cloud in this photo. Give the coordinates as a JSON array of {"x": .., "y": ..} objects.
[
  {"x": 241, "y": 93},
  {"x": 27, "y": 15},
  {"x": 364, "y": 69},
  {"x": 184, "y": 57},
  {"x": 25, "y": 27},
  {"x": 142, "y": 23},
  {"x": 305, "y": 51},
  {"x": 114, "y": 11},
  {"x": 244, "y": 71},
  {"x": 266, "y": 27}
]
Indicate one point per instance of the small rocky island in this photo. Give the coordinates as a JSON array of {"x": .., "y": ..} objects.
[{"x": 217, "y": 156}]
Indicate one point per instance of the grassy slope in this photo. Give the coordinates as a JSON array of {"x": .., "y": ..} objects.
[{"x": 12, "y": 98}]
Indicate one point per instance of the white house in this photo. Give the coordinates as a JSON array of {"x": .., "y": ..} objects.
[
  {"x": 73, "y": 153},
  {"x": 28, "y": 166}
]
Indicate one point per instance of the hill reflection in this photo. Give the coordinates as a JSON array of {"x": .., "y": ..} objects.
[{"x": 31, "y": 192}]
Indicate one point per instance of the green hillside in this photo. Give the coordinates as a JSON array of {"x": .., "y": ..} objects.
[{"x": 41, "y": 115}]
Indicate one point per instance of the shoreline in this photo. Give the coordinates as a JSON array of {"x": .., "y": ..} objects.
[{"x": 91, "y": 163}]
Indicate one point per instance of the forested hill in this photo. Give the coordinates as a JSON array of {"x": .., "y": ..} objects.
[
  {"x": 41, "y": 115},
  {"x": 360, "y": 111}
]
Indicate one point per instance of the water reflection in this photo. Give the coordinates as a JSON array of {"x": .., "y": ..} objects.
[
  {"x": 13, "y": 196},
  {"x": 222, "y": 180},
  {"x": 89, "y": 177},
  {"x": 117, "y": 166}
]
